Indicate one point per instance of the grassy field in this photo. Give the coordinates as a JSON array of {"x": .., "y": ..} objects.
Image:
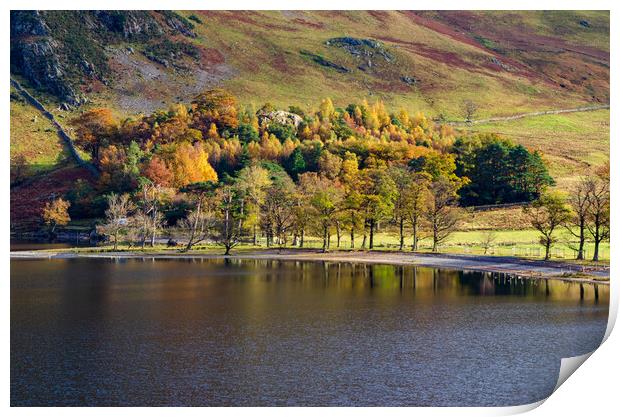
[
  {"x": 572, "y": 143},
  {"x": 34, "y": 137},
  {"x": 522, "y": 243}
]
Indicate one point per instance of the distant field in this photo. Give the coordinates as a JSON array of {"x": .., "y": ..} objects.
[{"x": 572, "y": 143}]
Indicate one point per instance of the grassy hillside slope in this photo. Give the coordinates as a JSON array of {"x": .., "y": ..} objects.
[{"x": 506, "y": 62}]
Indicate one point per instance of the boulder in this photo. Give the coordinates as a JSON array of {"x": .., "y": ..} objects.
[{"x": 280, "y": 116}]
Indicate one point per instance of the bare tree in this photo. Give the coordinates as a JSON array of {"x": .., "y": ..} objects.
[
  {"x": 145, "y": 225},
  {"x": 278, "y": 212},
  {"x": 469, "y": 110},
  {"x": 199, "y": 221},
  {"x": 580, "y": 202},
  {"x": 117, "y": 217},
  {"x": 441, "y": 212},
  {"x": 488, "y": 239},
  {"x": 598, "y": 214},
  {"x": 149, "y": 220},
  {"x": 196, "y": 226},
  {"x": 229, "y": 221},
  {"x": 546, "y": 214}
]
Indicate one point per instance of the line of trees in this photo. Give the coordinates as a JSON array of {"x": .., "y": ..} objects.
[
  {"x": 342, "y": 198},
  {"x": 264, "y": 200},
  {"x": 585, "y": 214}
]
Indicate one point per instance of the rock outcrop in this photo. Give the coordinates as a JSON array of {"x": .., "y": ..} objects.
[
  {"x": 365, "y": 49},
  {"x": 279, "y": 116},
  {"x": 59, "y": 60}
]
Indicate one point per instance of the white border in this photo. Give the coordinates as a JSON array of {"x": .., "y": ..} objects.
[{"x": 592, "y": 392}]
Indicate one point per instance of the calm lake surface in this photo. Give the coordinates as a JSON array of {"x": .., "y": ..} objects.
[{"x": 215, "y": 332}]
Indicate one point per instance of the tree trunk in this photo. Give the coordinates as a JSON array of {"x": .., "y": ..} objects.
[
  {"x": 338, "y": 234},
  {"x": 352, "y": 237},
  {"x": 547, "y": 249},
  {"x": 402, "y": 234},
  {"x": 582, "y": 239},
  {"x": 255, "y": 237},
  {"x": 414, "y": 227},
  {"x": 372, "y": 234},
  {"x": 596, "y": 245},
  {"x": 301, "y": 240},
  {"x": 190, "y": 242},
  {"x": 324, "y": 238},
  {"x": 597, "y": 238}
]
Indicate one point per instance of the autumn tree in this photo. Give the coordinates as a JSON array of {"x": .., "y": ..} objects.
[
  {"x": 416, "y": 196},
  {"x": 119, "y": 167},
  {"x": 330, "y": 165},
  {"x": 325, "y": 199},
  {"x": 252, "y": 183},
  {"x": 302, "y": 211},
  {"x": 441, "y": 212},
  {"x": 95, "y": 129},
  {"x": 402, "y": 181},
  {"x": 189, "y": 164},
  {"x": 156, "y": 171},
  {"x": 352, "y": 199},
  {"x": 378, "y": 194},
  {"x": 117, "y": 217},
  {"x": 217, "y": 107},
  {"x": 56, "y": 213},
  {"x": 547, "y": 214},
  {"x": 278, "y": 209}
]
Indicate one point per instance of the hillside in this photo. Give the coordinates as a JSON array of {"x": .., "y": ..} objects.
[
  {"x": 504, "y": 63},
  {"x": 139, "y": 61}
]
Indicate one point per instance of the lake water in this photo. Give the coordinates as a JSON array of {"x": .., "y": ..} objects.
[{"x": 267, "y": 333}]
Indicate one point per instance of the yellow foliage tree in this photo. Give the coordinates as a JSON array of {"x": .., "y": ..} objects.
[
  {"x": 56, "y": 213},
  {"x": 189, "y": 164}
]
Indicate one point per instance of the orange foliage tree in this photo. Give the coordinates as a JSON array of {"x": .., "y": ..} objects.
[{"x": 95, "y": 129}]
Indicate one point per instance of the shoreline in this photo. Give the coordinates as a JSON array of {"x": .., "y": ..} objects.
[{"x": 522, "y": 268}]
